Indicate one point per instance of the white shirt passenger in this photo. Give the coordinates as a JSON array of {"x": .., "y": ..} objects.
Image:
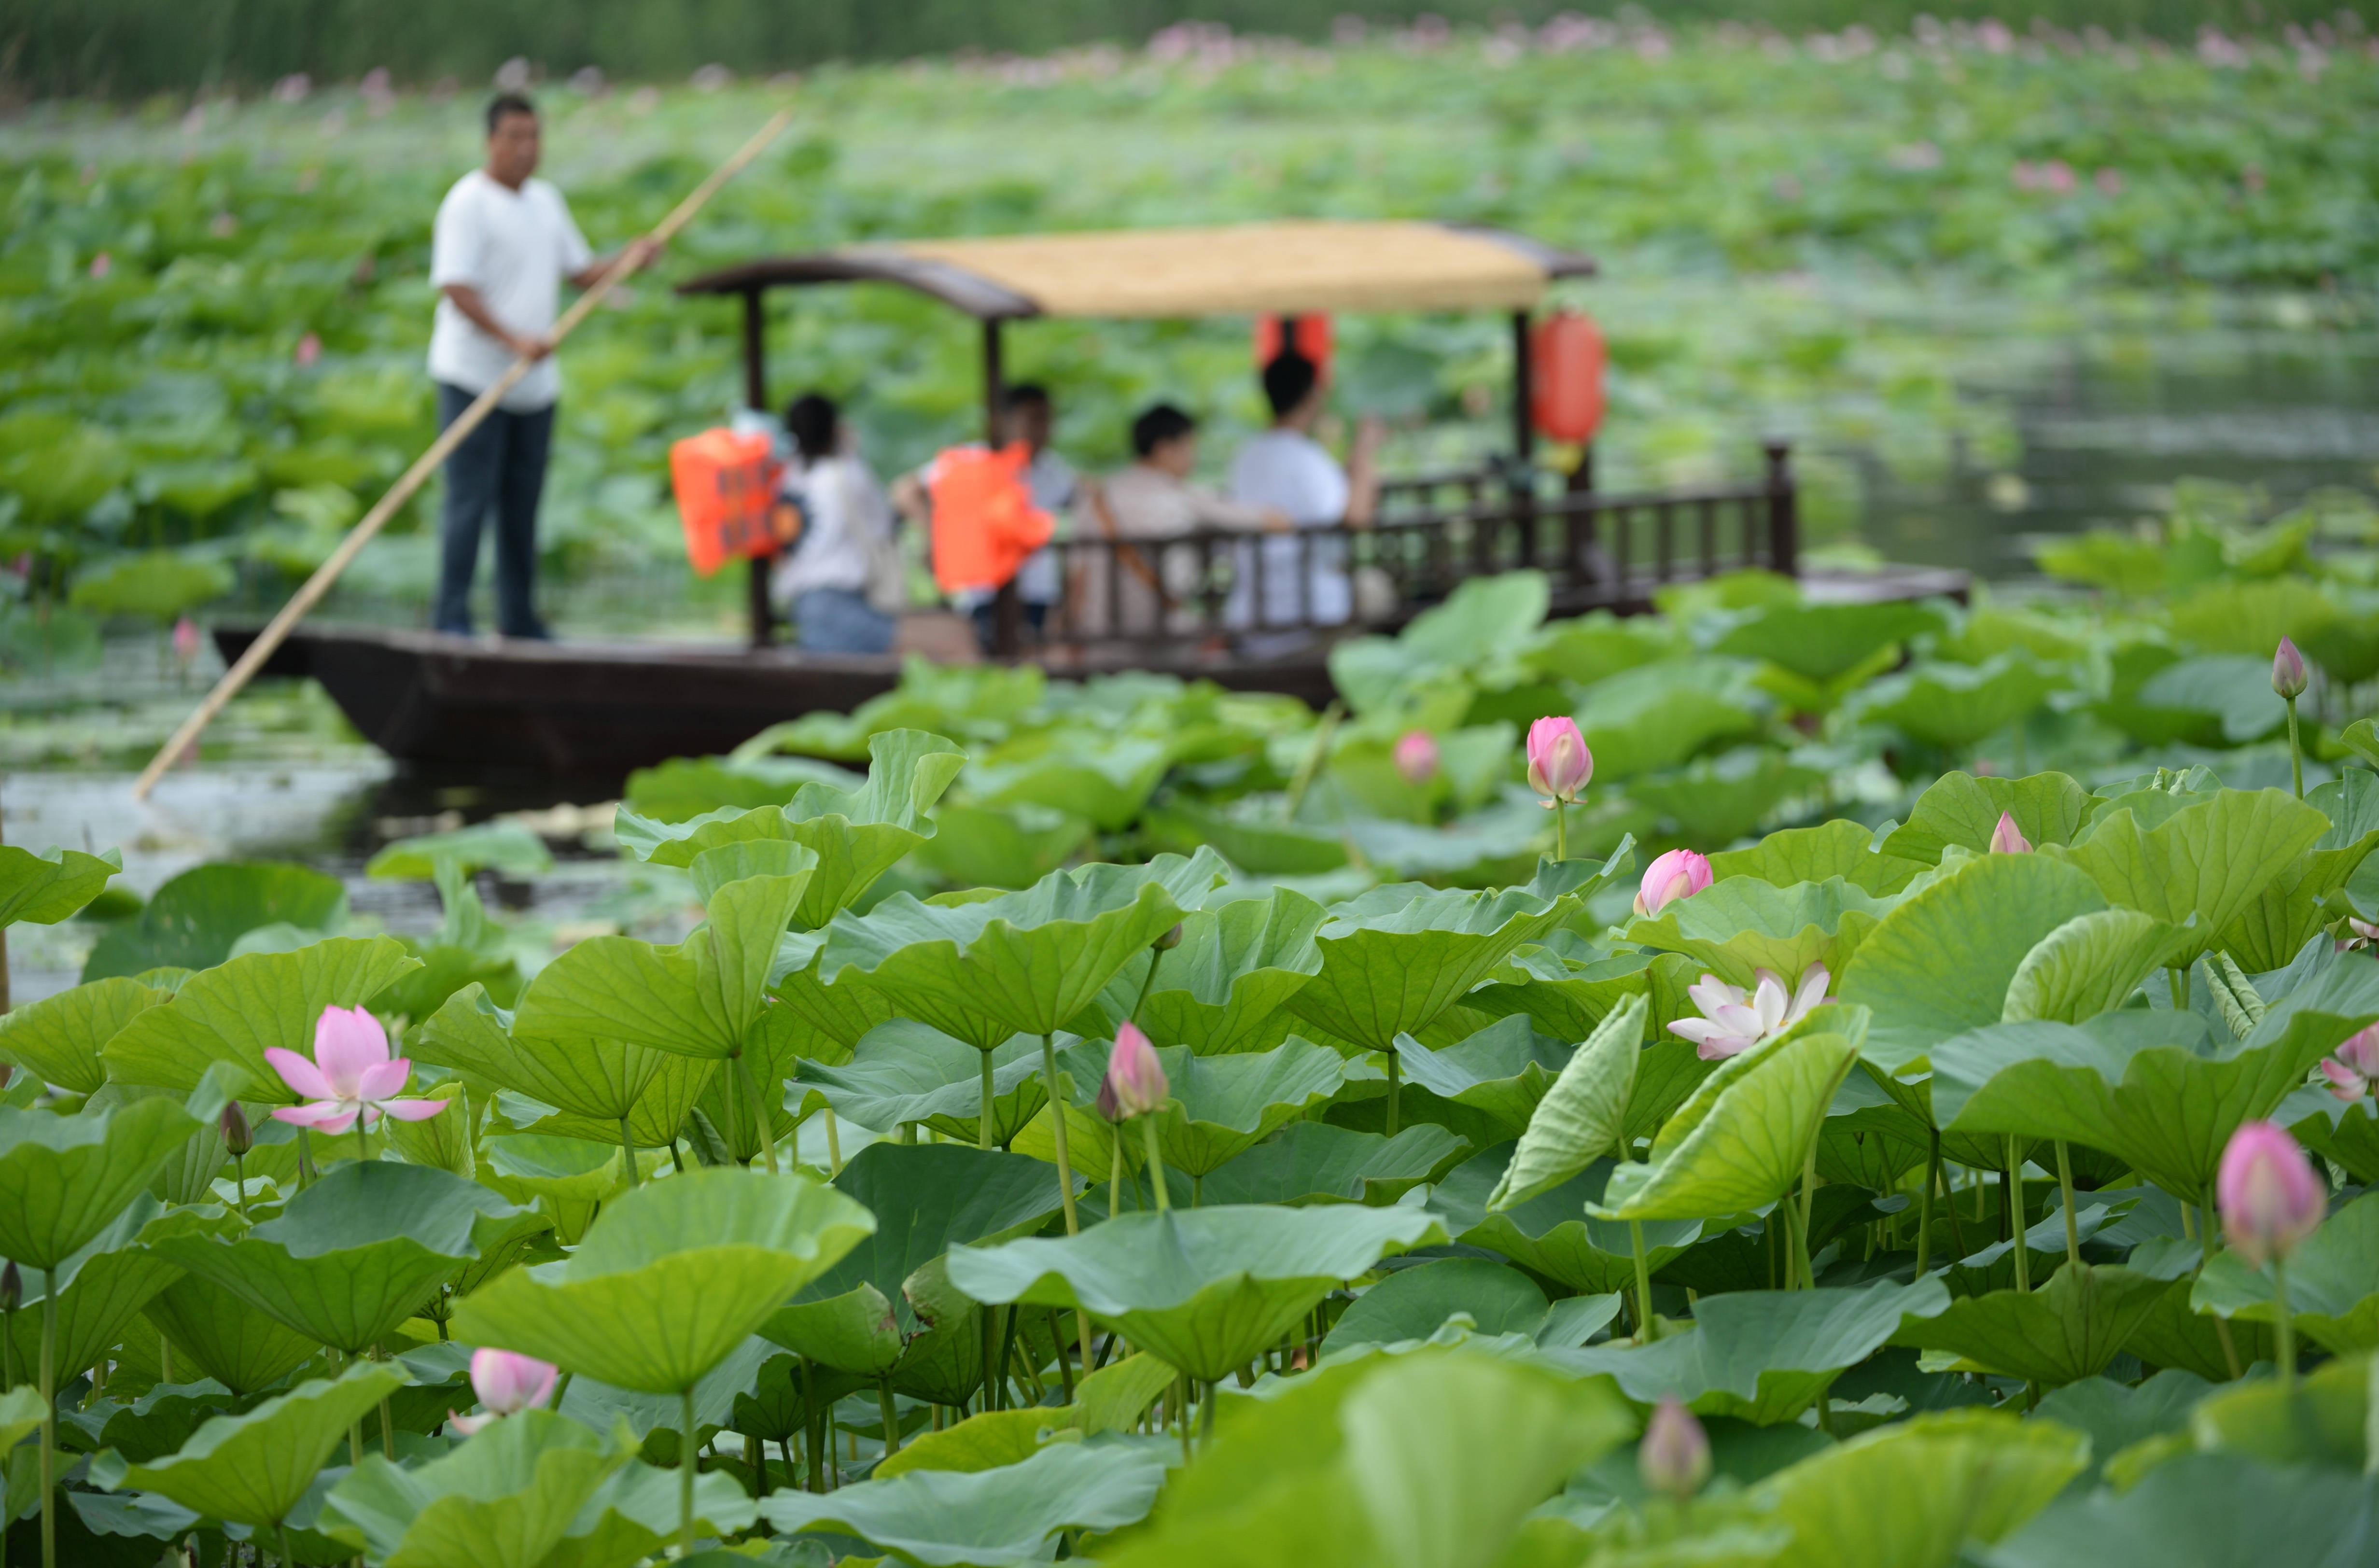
[
  {"x": 514, "y": 248},
  {"x": 843, "y": 510},
  {"x": 1291, "y": 472}
]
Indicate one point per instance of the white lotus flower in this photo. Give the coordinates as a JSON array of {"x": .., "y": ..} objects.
[{"x": 1733, "y": 1021}]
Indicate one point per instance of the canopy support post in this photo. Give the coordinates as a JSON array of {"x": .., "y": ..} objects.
[
  {"x": 1007, "y": 606},
  {"x": 756, "y": 396},
  {"x": 1524, "y": 441},
  {"x": 1784, "y": 510}
]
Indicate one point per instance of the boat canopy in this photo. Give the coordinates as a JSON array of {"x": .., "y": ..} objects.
[{"x": 1293, "y": 268}]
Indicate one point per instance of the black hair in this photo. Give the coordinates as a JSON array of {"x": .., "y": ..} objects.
[
  {"x": 1287, "y": 380},
  {"x": 1158, "y": 425},
  {"x": 504, "y": 103},
  {"x": 811, "y": 419},
  {"x": 1024, "y": 392}
]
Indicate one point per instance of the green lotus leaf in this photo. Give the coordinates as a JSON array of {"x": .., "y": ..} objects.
[
  {"x": 2347, "y": 1134},
  {"x": 2307, "y": 895},
  {"x": 232, "y": 1012},
  {"x": 253, "y": 1468},
  {"x": 671, "y": 1278},
  {"x": 1414, "y": 1303},
  {"x": 1764, "y": 1356},
  {"x": 1221, "y": 1106},
  {"x": 907, "y": 1072},
  {"x": 1250, "y": 834},
  {"x": 242, "y": 1349},
  {"x": 2068, "y": 1329},
  {"x": 58, "y": 1038},
  {"x": 857, "y": 1331},
  {"x": 1661, "y": 715},
  {"x": 360, "y": 1251},
  {"x": 1223, "y": 987},
  {"x": 1001, "y": 1518},
  {"x": 600, "y": 1079},
  {"x": 1960, "y": 809},
  {"x": 1316, "y": 1162},
  {"x": 1818, "y": 642},
  {"x": 1584, "y": 1115},
  {"x": 63, "y": 1179},
  {"x": 1553, "y": 1234},
  {"x": 193, "y": 920},
  {"x": 988, "y": 1440},
  {"x": 2211, "y": 859},
  {"x": 1501, "y": 1071},
  {"x": 1566, "y": 997},
  {"x": 656, "y": 1116},
  {"x": 45, "y": 889},
  {"x": 1869, "y": 1139},
  {"x": 2326, "y": 1419},
  {"x": 1104, "y": 777},
  {"x": 1484, "y": 619},
  {"x": 2174, "y": 1336},
  {"x": 1957, "y": 706},
  {"x": 1911, "y": 1495},
  {"x": 2210, "y": 1511},
  {"x": 1021, "y": 963},
  {"x": 504, "y": 847},
  {"x": 2361, "y": 737},
  {"x": 2089, "y": 965},
  {"x": 1990, "y": 910},
  {"x": 1427, "y": 1460},
  {"x": 2116, "y": 1415},
  {"x": 1740, "y": 925},
  {"x": 1206, "y": 1289},
  {"x": 2234, "y": 690},
  {"x": 633, "y": 1516},
  {"x": 683, "y": 787},
  {"x": 1718, "y": 800},
  {"x": 1740, "y": 1139},
  {"x": 1839, "y": 848},
  {"x": 1010, "y": 846},
  {"x": 505, "y": 1499},
  {"x": 2333, "y": 1283},
  {"x": 1395, "y": 958},
  {"x": 569, "y": 1177},
  {"x": 101, "y": 1290}
]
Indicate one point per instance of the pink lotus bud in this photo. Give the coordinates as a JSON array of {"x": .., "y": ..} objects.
[
  {"x": 102, "y": 264},
  {"x": 1679, "y": 873},
  {"x": 507, "y": 1381},
  {"x": 1674, "y": 1459},
  {"x": 1416, "y": 756},
  {"x": 2288, "y": 675},
  {"x": 186, "y": 639},
  {"x": 1559, "y": 764},
  {"x": 310, "y": 349},
  {"x": 237, "y": 1137},
  {"x": 2269, "y": 1196},
  {"x": 1135, "y": 1082},
  {"x": 2357, "y": 1063},
  {"x": 2006, "y": 838}
]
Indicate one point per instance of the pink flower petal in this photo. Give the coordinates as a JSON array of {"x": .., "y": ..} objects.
[
  {"x": 412, "y": 1110},
  {"x": 347, "y": 1041},
  {"x": 382, "y": 1080},
  {"x": 323, "y": 1116},
  {"x": 2344, "y": 1081},
  {"x": 1719, "y": 1047},
  {"x": 300, "y": 1074}
]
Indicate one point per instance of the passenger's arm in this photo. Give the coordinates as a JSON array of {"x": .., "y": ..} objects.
[
  {"x": 530, "y": 345},
  {"x": 1363, "y": 473}
]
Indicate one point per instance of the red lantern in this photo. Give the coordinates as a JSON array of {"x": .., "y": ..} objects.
[
  {"x": 1566, "y": 361},
  {"x": 1310, "y": 335}
]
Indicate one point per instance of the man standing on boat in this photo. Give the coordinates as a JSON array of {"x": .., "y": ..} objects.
[{"x": 502, "y": 247}]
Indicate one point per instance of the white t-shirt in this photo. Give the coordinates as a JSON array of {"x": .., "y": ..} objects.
[
  {"x": 843, "y": 510},
  {"x": 1291, "y": 473},
  {"x": 515, "y": 246}
]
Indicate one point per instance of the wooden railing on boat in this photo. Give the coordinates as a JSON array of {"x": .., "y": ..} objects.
[{"x": 1600, "y": 550}]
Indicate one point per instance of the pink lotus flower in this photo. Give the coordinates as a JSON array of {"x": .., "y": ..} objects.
[
  {"x": 310, "y": 349},
  {"x": 1679, "y": 873},
  {"x": 1416, "y": 756},
  {"x": 2109, "y": 182},
  {"x": 2288, "y": 674},
  {"x": 2269, "y": 1197},
  {"x": 1559, "y": 764},
  {"x": 352, "y": 1075},
  {"x": 102, "y": 264},
  {"x": 2006, "y": 838},
  {"x": 1734, "y": 1021},
  {"x": 1674, "y": 1458},
  {"x": 2357, "y": 1063},
  {"x": 507, "y": 1382},
  {"x": 186, "y": 639},
  {"x": 1135, "y": 1082},
  {"x": 2358, "y": 934}
]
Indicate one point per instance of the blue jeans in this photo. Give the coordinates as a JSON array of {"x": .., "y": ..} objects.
[
  {"x": 839, "y": 621},
  {"x": 499, "y": 467}
]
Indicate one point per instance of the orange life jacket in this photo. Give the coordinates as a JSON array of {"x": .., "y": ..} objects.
[
  {"x": 984, "y": 521},
  {"x": 726, "y": 485}
]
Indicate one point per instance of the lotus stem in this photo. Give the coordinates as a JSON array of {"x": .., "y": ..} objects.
[
  {"x": 49, "y": 1417},
  {"x": 686, "y": 1462},
  {"x": 1197, "y": 1189},
  {"x": 239, "y": 1175},
  {"x": 1181, "y": 1409},
  {"x": 1146, "y": 982},
  {"x": 1396, "y": 1082},
  {"x": 759, "y": 1111},
  {"x": 1057, "y": 1126},
  {"x": 628, "y": 1152},
  {"x": 1560, "y": 830},
  {"x": 1924, "y": 1205},
  {"x": 833, "y": 1145},
  {"x": 363, "y": 1149},
  {"x": 2295, "y": 752},
  {"x": 8, "y": 1369},
  {"x": 2180, "y": 979},
  {"x": 2013, "y": 1200},
  {"x": 1155, "y": 1164},
  {"x": 1065, "y": 1367},
  {"x": 2072, "y": 1225},
  {"x": 1206, "y": 1418},
  {"x": 1322, "y": 730},
  {"x": 1646, "y": 1326},
  {"x": 1115, "y": 1172},
  {"x": 288, "y": 1558},
  {"x": 304, "y": 1162},
  {"x": 2284, "y": 1331},
  {"x": 1949, "y": 1203},
  {"x": 983, "y": 1122},
  {"x": 884, "y": 1401}
]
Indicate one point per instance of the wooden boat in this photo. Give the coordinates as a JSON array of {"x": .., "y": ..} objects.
[{"x": 601, "y": 709}]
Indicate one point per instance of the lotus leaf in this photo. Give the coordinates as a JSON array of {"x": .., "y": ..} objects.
[
  {"x": 2333, "y": 1283},
  {"x": 1841, "y": 848},
  {"x": 1738, "y": 926},
  {"x": 2091, "y": 964},
  {"x": 2324, "y": 1419},
  {"x": 194, "y": 919},
  {"x": 2117, "y": 1416},
  {"x": 1413, "y": 1303},
  {"x": 600, "y": 1080},
  {"x": 1223, "y": 987},
  {"x": 59, "y": 1037},
  {"x": 505, "y": 1499},
  {"x": 1584, "y": 1115},
  {"x": 233, "y": 1012},
  {"x": 1818, "y": 642},
  {"x": 2211, "y": 859},
  {"x": 1221, "y": 1106},
  {"x": 45, "y": 889},
  {"x": 244, "y": 1350},
  {"x": 502, "y": 847},
  {"x": 1955, "y": 707},
  {"x": 100, "y": 1289},
  {"x": 1103, "y": 777},
  {"x": 1503, "y": 1071},
  {"x": 253, "y": 1468},
  {"x": 63, "y": 1179},
  {"x": 1961, "y": 810},
  {"x": 2212, "y": 1511},
  {"x": 1316, "y": 1162},
  {"x": 1664, "y": 714},
  {"x": 905, "y": 1072},
  {"x": 1205, "y": 1289},
  {"x": 2068, "y": 1329},
  {"x": 1717, "y": 800},
  {"x": 1565, "y": 997},
  {"x": 1008, "y": 847},
  {"x": 2308, "y": 894},
  {"x": 990, "y": 1518},
  {"x": 671, "y": 1279}
]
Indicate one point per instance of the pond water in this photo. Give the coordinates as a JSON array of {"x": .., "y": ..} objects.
[{"x": 2107, "y": 424}]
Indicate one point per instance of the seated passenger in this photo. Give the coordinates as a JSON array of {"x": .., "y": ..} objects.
[
  {"x": 1286, "y": 469},
  {"x": 845, "y": 537},
  {"x": 1152, "y": 499}
]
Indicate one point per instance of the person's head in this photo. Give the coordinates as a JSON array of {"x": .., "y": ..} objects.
[
  {"x": 1293, "y": 386},
  {"x": 1027, "y": 415},
  {"x": 1165, "y": 439},
  {"x": 512, "y": 138},
  {"x": 814, "y": 423}
]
